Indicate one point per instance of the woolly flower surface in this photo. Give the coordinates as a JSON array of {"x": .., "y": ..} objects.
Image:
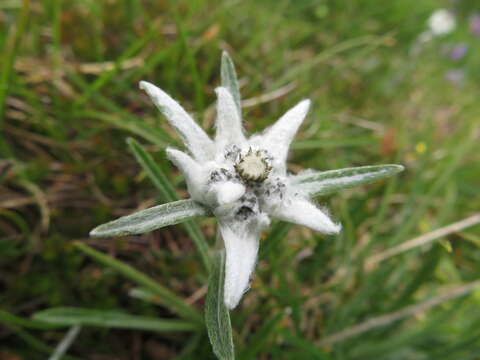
[{"x": 242, "y": 180}]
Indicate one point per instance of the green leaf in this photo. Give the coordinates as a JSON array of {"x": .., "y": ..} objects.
[
  {"x": 144, "y": 295},
  {"x": 150, "y": 219},
  {"x": 11, "y": 40},
  {"x": 31, "y": 341},
  {"x": 229, "y": 79},
  {"x": 102, "y": 80},
  {"x": 70, "y": 316},
  {"x": 217, "y": 317},
  {"x": 164, "y": 295},
  {"x": 316, "y": 183},
  {"x": 14, "y": 320},
  {"x": 161, "y": 182},
  {"x": 275, "y": 239}
]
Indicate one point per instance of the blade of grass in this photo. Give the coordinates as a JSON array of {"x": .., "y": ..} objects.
[
  {"x": 339, "y": 48},
  {"x": 162, "y": 183},
  {"x": 135, "y": 126},
  {"x": 65, "y": 344},
  {"x": 8, "y": 318},
  {"x": 274, "y": 238},
  {"x": 313, "y": 351},
  {"x": 446, "y": 170},
  {"x": 422, "y": 240},
  {"x": 383, "y": 320},
  {"x": 68, "y": 316},
  {"x": 260, "y": 339},
  {"x": 117, "y": 116},
  {"x": 169, "y": 299},
  {"x": 189, "y": 52},
  {"x": 33, "y": 342},
  {"x": 374, "y": 346},
  {"x": 145, "y": 295},
  {"x": 423, "y": 273},
  {"x": 465, "y": 144},
  {"x": 108, "y": 75},
  {"x": 8, "y": 56},
  {"x": 156, "y": 175}
]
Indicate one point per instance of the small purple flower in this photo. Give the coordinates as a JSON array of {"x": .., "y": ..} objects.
[
  {"x": 457, "y": 52},
  {"x": 455, "y": 76},
  {"x": 475, "y": 24}
]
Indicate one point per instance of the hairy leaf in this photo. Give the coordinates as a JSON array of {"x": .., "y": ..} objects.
[
  {"x": 150, "y": 219},
  {"x": 70, "y": 316},
  {"x": 217, "y": 317},
  {"x": 315, "y": 183}
]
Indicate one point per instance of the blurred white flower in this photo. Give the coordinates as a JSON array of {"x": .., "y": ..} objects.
[
  {"x": 242, "y": 181},
  {"x": 441, "y": 22}
]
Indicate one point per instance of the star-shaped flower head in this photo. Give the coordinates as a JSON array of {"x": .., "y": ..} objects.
[{"x": 243, "y": 181}]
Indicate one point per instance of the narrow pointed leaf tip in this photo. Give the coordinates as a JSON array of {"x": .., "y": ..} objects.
[
  {"x": 150, "y": 219},
  {"x": 229, "y": 79},
  {"x": 315, "y": 183}
]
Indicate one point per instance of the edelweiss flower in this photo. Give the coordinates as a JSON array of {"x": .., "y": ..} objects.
[{"x": 243, "y": 181}]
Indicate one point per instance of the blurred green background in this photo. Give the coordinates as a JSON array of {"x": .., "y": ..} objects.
[{"x": 383, "y": 91}]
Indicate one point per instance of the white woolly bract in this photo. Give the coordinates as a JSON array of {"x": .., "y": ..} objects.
[
  {"x": 241, "y": 249},
  {"x": 278, "y": 137},
  {"x": 228, "y": 192},
  {"x": 229, "y": 123},
  {"x": 301, "y": 211},
  {"x": 195, "y": 139}
]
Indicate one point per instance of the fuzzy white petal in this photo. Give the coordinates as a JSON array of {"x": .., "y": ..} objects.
[
  {"x": 277, "y": 138},
  {"x": 301, "y": 211},
  {"x": 195, "y": 139},
  {"x": 241, "y": 241},
  {"x": 228, "y": 192},
  {"x": 229, "y": 122},
  {"x": 194, "y": 173}
]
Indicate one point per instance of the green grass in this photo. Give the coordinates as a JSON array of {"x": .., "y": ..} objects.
[{"x": 69, "y": 99}]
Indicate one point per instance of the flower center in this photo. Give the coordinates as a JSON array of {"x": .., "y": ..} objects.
[{"x": 253, "y": 166}]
